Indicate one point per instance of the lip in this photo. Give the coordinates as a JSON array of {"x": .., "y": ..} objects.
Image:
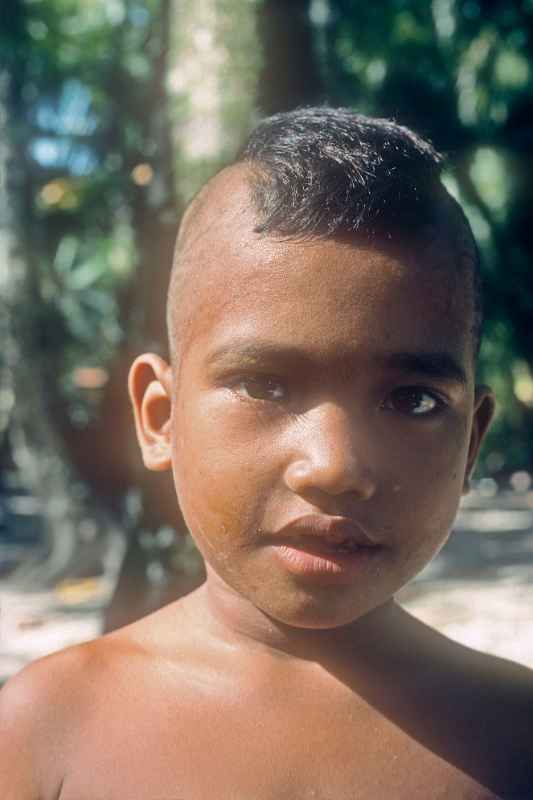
[
  {"x": 305, "y": 547},
  {"x": 333, "y": 529}
]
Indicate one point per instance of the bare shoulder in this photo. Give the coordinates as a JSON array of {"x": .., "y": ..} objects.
[
  {"x": 36, "y": 710},
  {"x": 484, "y": 705},
  {"x": 53, "y": 686},
  {"x": 503, "y": 713},
  {"x": 43, "y": 709},
  {"x": 506, "y": 700}
]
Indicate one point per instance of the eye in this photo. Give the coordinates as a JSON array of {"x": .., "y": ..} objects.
[
  {"x": 261, "y": 387},
  {"x": 414, "y": 401}
]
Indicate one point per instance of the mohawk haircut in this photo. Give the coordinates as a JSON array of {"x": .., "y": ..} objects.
[
  {"x": 332, "y": 173},
  {"x": 325, "y": 172}
]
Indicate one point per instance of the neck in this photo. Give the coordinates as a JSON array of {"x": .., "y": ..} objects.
[{"x": 235, "y": 621}]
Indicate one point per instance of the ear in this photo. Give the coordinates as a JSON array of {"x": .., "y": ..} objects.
[
  {"x": 150, "y": 386},
  {"x": 483, "y": 412}
]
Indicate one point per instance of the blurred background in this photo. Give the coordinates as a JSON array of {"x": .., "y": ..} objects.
[{"x": 112, "y": 114}]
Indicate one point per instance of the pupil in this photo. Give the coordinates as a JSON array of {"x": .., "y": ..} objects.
[
  {"x": 264, "y": 389},
  {"x": 415, "y": 402}
]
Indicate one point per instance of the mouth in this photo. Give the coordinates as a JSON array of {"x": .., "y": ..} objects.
[
  {"x": 331, "y": 547},
  {"x": 325, "y": 545},
  {"x": 336, "y": 533}
]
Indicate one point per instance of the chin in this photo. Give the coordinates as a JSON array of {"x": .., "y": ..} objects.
[{"x": 319, "y": 613}]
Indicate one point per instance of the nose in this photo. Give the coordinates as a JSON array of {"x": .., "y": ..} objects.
[{"x": 330, "y": 455}]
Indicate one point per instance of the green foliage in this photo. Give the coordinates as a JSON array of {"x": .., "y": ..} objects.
[{"x": 83, "y": 76}]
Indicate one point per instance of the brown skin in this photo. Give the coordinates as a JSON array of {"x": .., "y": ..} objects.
[{"x": 264, "y": 685}]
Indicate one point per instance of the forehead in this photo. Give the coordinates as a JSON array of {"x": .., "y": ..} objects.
[{"x": 323, "y": 295}]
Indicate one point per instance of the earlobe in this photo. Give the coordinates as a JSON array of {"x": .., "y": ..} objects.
[
  {"x": 150, "y": 394},
  {"x": 483, "y": 412}
]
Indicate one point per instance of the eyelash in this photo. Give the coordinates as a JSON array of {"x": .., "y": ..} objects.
[{"x": 272, "y": 383}]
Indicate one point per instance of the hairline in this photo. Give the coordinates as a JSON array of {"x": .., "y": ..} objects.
[{"x": 377, "y": 241}]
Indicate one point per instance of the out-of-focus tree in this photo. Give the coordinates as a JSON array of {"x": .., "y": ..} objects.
[
  {"x": 95, "y": 170},
  {"x": 291, "y": 74},
  {"x": 30, "y": 442}
]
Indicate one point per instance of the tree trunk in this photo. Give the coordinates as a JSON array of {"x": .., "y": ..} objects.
[
  {"x": 211, "y": 85},
  {"x": 290, "y": 76}
]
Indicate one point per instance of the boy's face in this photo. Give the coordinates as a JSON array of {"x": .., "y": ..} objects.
[{"x": 324, "y": 390}]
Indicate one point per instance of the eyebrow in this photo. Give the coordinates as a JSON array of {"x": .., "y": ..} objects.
[
  {"x": 255, "y": 351},
  {"x": 437, "y": 365}
]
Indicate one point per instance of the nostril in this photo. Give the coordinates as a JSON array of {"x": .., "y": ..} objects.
[{"x": 334, "y": 477}]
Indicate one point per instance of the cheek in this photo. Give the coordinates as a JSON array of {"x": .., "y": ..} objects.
[
  {"x": 222, "y": 477},
  {"x": 425, "y": 485}
]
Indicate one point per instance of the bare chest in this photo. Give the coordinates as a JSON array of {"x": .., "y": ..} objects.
[{"x": 239, "y": 745}]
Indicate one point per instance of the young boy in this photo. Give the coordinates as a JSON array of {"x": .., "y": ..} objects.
[{"x": 321, "y": 419}]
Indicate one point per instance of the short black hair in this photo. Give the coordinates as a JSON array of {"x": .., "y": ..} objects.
[{"x": 330, "y": 172}]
